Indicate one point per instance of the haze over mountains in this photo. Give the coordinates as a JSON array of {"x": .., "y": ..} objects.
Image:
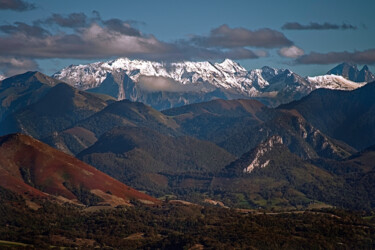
[{"x": 167, "y": 85}]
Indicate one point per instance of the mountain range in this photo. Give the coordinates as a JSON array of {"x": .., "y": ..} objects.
[
  {"x": 167, "y": 85},
  {"x": 240, "y": 152}
]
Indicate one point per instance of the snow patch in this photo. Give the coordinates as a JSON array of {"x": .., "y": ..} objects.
[{"x": 334, "y": 82}]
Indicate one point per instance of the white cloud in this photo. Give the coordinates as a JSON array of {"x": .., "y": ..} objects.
[{"x": 291, "y": 52}]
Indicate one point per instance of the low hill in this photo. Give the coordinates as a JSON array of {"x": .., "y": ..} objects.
[{"x": 33, "y": 169}]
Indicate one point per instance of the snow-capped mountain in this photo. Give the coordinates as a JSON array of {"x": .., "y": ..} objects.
[
  {"x": 208, "y": 80},
  {"x": 227, "y": 75},
  {"x": 2, "y": 77}
]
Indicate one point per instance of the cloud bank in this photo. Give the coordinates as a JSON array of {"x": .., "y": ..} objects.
[
  {"x": 78, "y": 36},
  {"x": 226, "y": 37},
  {"x": 16, "y": 5},
  {"x": 318, "y": 26},
  {"x": 359, "y": 57}
]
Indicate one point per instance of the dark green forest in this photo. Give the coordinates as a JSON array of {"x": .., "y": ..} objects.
[{"x": 175, "y": 225}]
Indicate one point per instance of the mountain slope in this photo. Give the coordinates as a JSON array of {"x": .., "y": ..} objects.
[
  {"x": 347, "y": 116},
  {"x": 240, "y": 125},
  {"x": 120, "y": 113},
  {"x": 58, "y": 109},
  {"x": 146, "y": 158},
  {"x": 22, "y": 90},
  {"x": 271, "y": 176},
  {"x": 216, "y": 119},
  {"x": 298, "y": 135},
  {"x": 358, "y": 173},
  {"x": 31, "y": 168}
]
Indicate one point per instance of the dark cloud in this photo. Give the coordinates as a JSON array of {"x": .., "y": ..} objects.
[
  {"x": 94, "y": 41},
  {"x": 26, "y": 29},
  {"x": 12, "y": 66},
  {"x": 85, "y": 37},
  {"x": 73, "y": 20},
  {"x": 81, "y": 20},
  {"x": 16, "y": 5},
  {"x": 121, "y": 27},
  {"x": 226, "y": 37},
  {"x": 318, "y": 26},
  {"x": 111, "y": 38},
  {"x": 358, "y": 57}
]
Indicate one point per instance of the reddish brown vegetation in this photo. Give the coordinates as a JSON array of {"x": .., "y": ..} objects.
[{"x": 27, "y": 165}]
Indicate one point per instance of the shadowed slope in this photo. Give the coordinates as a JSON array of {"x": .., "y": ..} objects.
[
  {"x": 345, "y": 115},
  {"x": 19, "y": 91}
]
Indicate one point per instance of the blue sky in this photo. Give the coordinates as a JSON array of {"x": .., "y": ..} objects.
[{"x": 309, "y": 36}]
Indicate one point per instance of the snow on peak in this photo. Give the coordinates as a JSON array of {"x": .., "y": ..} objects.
[
  {"x": 230, "y": 66},
  {"x": 2, "y": 77},
  {"x": 334, "y": 82},
  {"x": 261, "y": 150},
  {"x": 228, "y": 75}
]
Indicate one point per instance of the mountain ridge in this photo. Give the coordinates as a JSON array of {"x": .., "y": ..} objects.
[
  {"x": 271, "y": 86},
  {"x": 351, "y": 72},
  {"x": 340, "y": 114}
]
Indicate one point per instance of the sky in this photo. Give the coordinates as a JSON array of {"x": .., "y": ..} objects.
[{"x": 307, "y": 36}]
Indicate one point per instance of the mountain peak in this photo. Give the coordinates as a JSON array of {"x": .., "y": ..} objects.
[
  {"x": 350, "y": 71},
  {"x": 343, "y": 68},
  {"x": 228, "y": 61},
  {"x": 365, "y": 68},
  {"x": 28, "y": 78},
  {"x": 230, "y": 65}
]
